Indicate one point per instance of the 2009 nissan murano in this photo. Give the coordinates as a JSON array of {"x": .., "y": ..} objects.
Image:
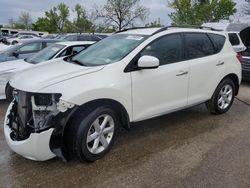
[{"x": 74, "y": 106}]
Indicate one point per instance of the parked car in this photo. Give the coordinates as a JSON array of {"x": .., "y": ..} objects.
[
  {"x": 235, "y": 40},
  {"x": 21, "y": 39},
  {"x": 53, "y": 51},
  {"x": 246, "y": 66},
  {"x": 81, "y": 37},
  {"x": 74, "y": 106},
  {"x": 24, "y": 50}
]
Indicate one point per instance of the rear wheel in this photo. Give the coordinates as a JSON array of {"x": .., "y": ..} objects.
[
  {"x": 222, "y": 98},
  {"x": 92, "y": 134}
]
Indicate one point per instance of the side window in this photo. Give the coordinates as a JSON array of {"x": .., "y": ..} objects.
[
  {"x": 64, "y": 53},
  {"x": 167, "y": 49},
  {"x": 198, "y": 45},
  {"x": 49, "y": 43},
  {"x": 31, "y": 47},
  {"x": 218, "y": 41},
  {"x": 77, "y": 49},
  {"x": 233, "y": 38}
]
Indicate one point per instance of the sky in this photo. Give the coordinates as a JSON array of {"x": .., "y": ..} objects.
[{"x": 10, "y": 9}]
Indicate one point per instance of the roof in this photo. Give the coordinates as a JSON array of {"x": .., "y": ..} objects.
[
  {"x": 226, "y": 26},
  {"x": 141, "y": 31},
  {"x": 70, "y": 43}
]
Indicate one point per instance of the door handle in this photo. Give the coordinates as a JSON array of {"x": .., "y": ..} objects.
[
  {"x": 220, "y": 63},
  {"x": 181, "y": 73}
]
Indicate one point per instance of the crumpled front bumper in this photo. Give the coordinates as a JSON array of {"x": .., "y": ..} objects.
[{"x": 36, "y": 147}]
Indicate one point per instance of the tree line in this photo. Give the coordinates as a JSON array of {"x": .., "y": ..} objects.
[{"x": 119, "y": 14}]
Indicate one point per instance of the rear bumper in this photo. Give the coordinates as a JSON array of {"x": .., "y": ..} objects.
[
  {"x": 36, "y": 147},
  {"x": 246, "y": 68}
]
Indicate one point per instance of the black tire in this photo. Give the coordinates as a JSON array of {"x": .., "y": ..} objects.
[
  {"x": 9, "y": 92},
  {"x": 77, "y": 131},
  {"x": 213, "y": 104},
  {"x": 14, "y": 42}
]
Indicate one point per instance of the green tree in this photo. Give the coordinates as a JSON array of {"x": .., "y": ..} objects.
[
  {"x": 122, "y": 13},
  {"x": 55, "y": 20},
  {"x": 82, "y": 23},
  {"x": 195, "y": 12},
  {"x": 44, "y": 24},
  {"x": 58, "y": 16}
]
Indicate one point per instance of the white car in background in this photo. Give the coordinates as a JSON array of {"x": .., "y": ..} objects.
[
  {"x": 57, "y": 50},
  {"x": 21, "y": 39},
  {"x": 3, "y": 47}
]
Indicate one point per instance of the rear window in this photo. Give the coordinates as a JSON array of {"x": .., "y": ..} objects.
[
  {"x": 218, "y": 41},
  {"x": 233, "y": 38},
  {"x": 198, "y": 45},
  {"x": 88, "y": 38}
]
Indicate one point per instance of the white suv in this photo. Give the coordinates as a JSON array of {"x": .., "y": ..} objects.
[{"x": 74, "y": 106}]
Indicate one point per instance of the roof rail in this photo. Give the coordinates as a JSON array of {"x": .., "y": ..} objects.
[
  {"x": 128, "y": 29},
  {"x": 185, "y": 26}
]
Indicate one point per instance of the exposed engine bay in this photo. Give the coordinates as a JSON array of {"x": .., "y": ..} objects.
[{"x": 32, "y": 113}]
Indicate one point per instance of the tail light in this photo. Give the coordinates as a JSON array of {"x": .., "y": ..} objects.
[{"x": 239, "y": 57}]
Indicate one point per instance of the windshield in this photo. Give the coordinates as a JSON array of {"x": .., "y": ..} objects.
[
  {"x": 109, "y": 50},
  {"x": 46, "y": 54}
]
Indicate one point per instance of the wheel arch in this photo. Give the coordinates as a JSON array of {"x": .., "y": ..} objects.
[
  {"x": 235, "y": 79},
  {"x": 117, "y": 107}
]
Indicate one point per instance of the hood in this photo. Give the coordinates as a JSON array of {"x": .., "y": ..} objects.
[
  {"x": 49, "y": 73},
  {"x": 13, "y": 66}
]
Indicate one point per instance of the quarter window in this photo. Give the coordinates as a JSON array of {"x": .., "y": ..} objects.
[
  {"x": 167, "y": 49},
  {"x": 218, "y": 41},
  {"x": 198, "y": 45},
  {"x": 233, "y": 38}
]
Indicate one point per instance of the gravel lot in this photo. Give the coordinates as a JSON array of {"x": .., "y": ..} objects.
[{"x": 189, "y": 148}]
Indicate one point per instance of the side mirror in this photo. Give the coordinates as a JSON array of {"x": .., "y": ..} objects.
[
  {"x": 148, "y": 62},
  {"x": 15, "y": 54}
]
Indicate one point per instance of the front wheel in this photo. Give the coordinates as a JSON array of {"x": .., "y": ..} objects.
[
  {"x": 92, "y": 134},
  {"x": 14, "y": 42},
  {"x": 222, "y": 98}
]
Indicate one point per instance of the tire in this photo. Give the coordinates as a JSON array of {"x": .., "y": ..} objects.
[
  {"x": 222, "y": 98},
  {"x": 14, "y": 42},
  {"x": 78, "y": 139},
  {"x": 9, "y": 93}
]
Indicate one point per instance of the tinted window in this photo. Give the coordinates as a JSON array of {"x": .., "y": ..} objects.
[
  {"x": 88, "y": 38},
  {"x": 70, "y": 38},
  {"x": 233, "y": 38},
  {"x": 198, "y": 45},
  {"x": 167, "y": 49},
  {"x": 77, "y": 49},
  {"x": 218, "y": 41}
]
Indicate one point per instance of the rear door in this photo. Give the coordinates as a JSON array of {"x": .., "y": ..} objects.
[{"x": 206, "y": 65}]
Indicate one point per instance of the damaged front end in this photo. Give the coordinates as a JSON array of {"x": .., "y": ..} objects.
[{"x": 36, "y": 115}]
